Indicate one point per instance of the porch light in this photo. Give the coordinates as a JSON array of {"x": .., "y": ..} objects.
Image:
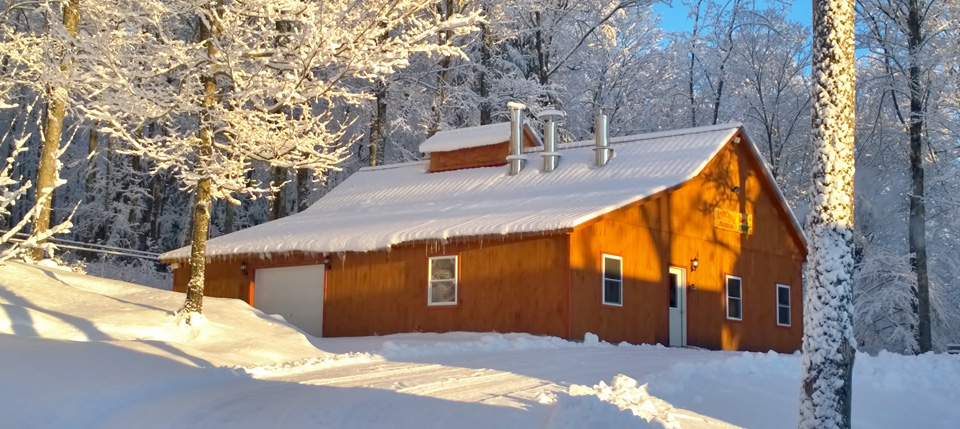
[
  {"x": 694, "y": 264},
  {"x": 243, "y": 268}
]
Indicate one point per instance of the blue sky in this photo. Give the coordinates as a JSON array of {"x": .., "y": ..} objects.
[{"x": 675, "y": 18}]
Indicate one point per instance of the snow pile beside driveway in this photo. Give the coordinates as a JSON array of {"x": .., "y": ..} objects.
[
  {"x": 585, "y": 403},
  {"x": 53, "y": 303}
]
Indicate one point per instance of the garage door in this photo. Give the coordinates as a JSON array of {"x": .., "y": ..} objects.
[{"x": 296, "y": 293}]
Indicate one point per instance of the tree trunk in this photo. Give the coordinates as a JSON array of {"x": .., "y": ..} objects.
[
  {"x": 52, "y": 129},
  {"x": 108, "y": 190},
  {"x": 828, "y": 344},
  {"x": 543, "y": 56},
  {"x": 229, "y": 217},
  {"x": 92, "y": 143},
  {"x": 278, "y": 203},
  {"x": 156, "y": 206},
  {"x": 917, "y": 227},
  {"x": 198, "y": 249},
  {"x": 446, "y": 11},
  {"x": 693, "y": 60},
  {"x": 730, "y": 30},
  {"x": 486, "y": 108},
  {"x": 303, "y": 189},
  {"x": 378, "y": 125},
  {"x": 201, "y": 208},
  {"x": 135, "y": 215}
]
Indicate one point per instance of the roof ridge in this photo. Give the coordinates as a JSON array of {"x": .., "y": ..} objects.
[
  {"x": 654, "y": 135},
  {"x": 397, "y": 165}
]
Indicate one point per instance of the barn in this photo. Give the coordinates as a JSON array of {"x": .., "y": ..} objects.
[{"x": 679, "y": 238}]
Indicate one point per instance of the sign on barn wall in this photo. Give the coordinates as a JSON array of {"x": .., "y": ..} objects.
[{"x": 733, "y": 221}]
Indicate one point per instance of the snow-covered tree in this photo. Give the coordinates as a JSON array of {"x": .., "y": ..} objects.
[
  {"x": 910, "y": 53},
  {"x": 36, "y": 53},
  {"x": 13, "y": 190},
  {"x": 712, "y": 44},
  {"x": 771, "y": 56},
  {"x": 829, "y": 349},
  {"x": 256, "y": 100}
]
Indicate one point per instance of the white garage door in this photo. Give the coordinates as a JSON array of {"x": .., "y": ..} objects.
[{"x": 296, "y": 293}]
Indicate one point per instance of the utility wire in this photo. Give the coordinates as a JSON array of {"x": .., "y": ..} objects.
[{"x": 91, "y": 247}]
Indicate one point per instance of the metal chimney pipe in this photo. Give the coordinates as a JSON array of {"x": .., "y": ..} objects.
[
  {"x": 515, "y": 158},
  {"x": 551, "y": 158},
  {"x": 602, "y": 151}
]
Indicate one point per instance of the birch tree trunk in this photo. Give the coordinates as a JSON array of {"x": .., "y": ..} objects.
[
  {"x": 917, "y": 228},
  {"x": 828, "y": 344},
  {"x": 52, "y": 130}
]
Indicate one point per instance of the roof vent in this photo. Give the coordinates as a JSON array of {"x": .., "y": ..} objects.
[
  {"x": 602, "y": 151},
  {"x": 516, "y": 158},
  {"x": 550, "y": 155}
]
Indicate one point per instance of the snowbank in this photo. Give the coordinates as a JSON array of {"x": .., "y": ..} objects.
[
  {"x": 626, "y": 396},
  {"x": 78, "y": 351},
  {"x": 52, "y": 303}
]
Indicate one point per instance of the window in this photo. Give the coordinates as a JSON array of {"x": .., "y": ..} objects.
[
  {"x": 783, "y": 305},
  {"x": 734, "y": 298},
  {"x": 443, "y": 281},
  {"x": 612, "y": 280}
]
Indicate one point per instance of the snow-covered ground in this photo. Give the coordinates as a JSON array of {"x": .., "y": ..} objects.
[{"x": 79, "y": 351}]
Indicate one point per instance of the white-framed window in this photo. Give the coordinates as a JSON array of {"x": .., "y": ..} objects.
[
  {"x": 612, "y": 284},
  {"x": 734, "y": 298},
  {"x": 783, "y": 305},
  {"x": 442, "y": 287}
]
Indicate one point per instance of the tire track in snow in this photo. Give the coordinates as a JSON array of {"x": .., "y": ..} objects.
[
  {"x": 434, "y": 380},
  {"x": 371, "y": 373}
]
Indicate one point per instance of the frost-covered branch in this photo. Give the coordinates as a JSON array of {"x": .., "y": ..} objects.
[{"x": 14, "y": 191}]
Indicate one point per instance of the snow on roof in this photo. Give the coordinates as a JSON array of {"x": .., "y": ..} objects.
[
  {"x": 462, "y": 138},
  {"x": 379, "y": 207}
]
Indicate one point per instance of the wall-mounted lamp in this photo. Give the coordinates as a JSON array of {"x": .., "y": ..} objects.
[
  {"x": 694, "y": 264},
  {"x": 735, "y": 189},
  {"x": 243, "y": 268}
]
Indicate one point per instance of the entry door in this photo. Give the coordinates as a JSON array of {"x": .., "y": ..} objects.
[
  {"x": 296, "y": 293},
  {"x": 678, "y": 306}
]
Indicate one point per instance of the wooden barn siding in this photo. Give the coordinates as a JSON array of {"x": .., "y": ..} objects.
[
  {"x": 505, "y": 285},
  {"x": 224, "y": 277},
  {"x": 480, "y": 156},
  {"x": 517, "y": 285},
  {"x": 672, "y": 229}
]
